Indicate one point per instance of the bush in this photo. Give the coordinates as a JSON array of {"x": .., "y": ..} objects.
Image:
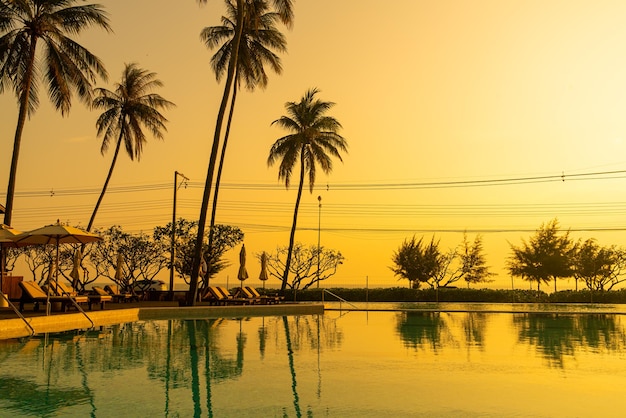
[
  {"x": 587, "y": 296},
  {"x": 403, "y": 294}
]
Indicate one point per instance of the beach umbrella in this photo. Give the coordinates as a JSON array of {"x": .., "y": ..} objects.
[
  {"x": 55, "y": 234},
  {"x": 243, "y": 273},
  {"x": 7, "y": 235},
  {"x": 263, "y": 275}
]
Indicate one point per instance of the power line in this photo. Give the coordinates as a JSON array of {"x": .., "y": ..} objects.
[{"x": 600, "y": 175}]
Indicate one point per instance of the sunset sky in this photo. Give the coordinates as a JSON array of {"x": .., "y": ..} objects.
[{"x": 487, "y": 116}]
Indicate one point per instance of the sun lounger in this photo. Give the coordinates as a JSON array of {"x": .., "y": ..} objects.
[
  {"x": 65, "y": 290},
  {"x": 245, "y": 293},
  {"x": 118, "y": 296},
  {"x": 265, "y": 299},
  {"x": 233, "y": 299},
  {"x": 100, "y": 296},
  {"x": 221, "y": 296},
  {"x": 33, "y": 293}
]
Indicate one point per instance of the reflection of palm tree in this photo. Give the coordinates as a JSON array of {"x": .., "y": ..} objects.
[
  {"x": 126, "y": 109},
  {"x": 195, "y": 376},
  {"x": 68, "y": 67},
  {"x": 207, "y": 371},
  {"x": 292, "y": 369},
  {"x": 313, "y": 141}
]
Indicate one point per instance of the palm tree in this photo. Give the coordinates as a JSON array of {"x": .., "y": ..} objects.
[
  {"x": 259, "y": 36},
  {"x": 66, "y": 66},
  {"x": 284, "y": 8},
  {"x": 313, "y": 142},
  {"x": 127, "y": 110}
]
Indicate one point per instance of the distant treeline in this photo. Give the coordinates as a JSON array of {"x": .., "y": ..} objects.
[{"x": 403, "y": 294}]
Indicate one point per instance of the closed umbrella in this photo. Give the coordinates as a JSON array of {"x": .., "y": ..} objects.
[
  {"x": 243, "y": 273},
  {"x": 263, "y": 275},
  {"x": 55, "y": 234},
  {"x": 119, "y": 268},
  {"x": 75, "y": 274}
]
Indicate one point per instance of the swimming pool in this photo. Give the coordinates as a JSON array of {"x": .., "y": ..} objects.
[{"x": 340, "y": 364}]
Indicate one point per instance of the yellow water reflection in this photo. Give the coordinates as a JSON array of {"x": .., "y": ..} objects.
[{"x": 359, "y": 364}]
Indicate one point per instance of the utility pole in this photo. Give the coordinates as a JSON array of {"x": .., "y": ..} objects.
[
  {"x": 319, "y": 230},
  {"x": 173, "y": 247}
]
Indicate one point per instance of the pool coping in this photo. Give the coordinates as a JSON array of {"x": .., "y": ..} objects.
[{"x": 17, "y": 328}]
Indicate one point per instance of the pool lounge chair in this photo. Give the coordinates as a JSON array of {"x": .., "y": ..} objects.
[
  {"x": 265, "y": 299},
  {"x": 99, "y": 295},
  {"x": 118, "y": 296},
  {"x": 33, "y": 293},
  {"x": 245, "y": 293},
  {"x": 62, "y": 289},
  {"x": 221, "y": 296}
]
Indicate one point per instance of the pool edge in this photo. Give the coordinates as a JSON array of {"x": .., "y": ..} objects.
[{"x": 16, "y": 328}]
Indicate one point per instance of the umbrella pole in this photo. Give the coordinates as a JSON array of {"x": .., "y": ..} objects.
[{"x": 56, "y": 278}]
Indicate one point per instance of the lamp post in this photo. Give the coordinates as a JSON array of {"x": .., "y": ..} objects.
[
  {"x": 319, "y": 229},
  {"x": 173, "y": 247}
]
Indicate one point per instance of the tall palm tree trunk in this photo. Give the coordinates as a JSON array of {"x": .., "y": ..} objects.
[
  {"x": 106, "y": 182},
  {"x": 218, "y": 179},
  {"x": 292, "y": 235},
  {"x": 17, "y": 141},
  {"x": 195, "y": 270}
]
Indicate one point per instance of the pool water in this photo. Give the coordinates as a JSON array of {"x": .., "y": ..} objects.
[{"x": 340, "y": 364}]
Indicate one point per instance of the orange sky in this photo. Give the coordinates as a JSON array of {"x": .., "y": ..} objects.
[{"x": 427, "y": 92}]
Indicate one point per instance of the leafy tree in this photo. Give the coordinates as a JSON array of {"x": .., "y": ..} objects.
[
  {"x": 226, "y": 237},
  {"x": 474, "y": 264},
  {"x": 304, "y": 265},
  {"x": 142, "y": 257},
  {"x": 447, "y": 271},
  {"x": 547, "y": 256},
  {"x": 312, "y": 143},
  {"x": 11, "y": 255},
  {"x": 417, "y": 261},
  {"x": 126, "y": 110},
  {"x": 38, "y": 259},
  {"x": 67, "y": 66},
  {"x": 284, "y": 10},
  {"x": 600, "y": 268}
]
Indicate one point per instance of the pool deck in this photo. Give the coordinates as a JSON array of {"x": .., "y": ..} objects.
[{"x": 11, "y": 326}]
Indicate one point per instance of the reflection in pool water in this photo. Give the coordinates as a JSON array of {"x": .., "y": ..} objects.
[{"x": 355, "y": 364}]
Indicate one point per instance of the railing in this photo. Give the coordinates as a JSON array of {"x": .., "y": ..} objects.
[
  {"x": 5, "y": 297},
  {"x": 78, "y": 307},
  {"x": 341, "y": 300}
]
